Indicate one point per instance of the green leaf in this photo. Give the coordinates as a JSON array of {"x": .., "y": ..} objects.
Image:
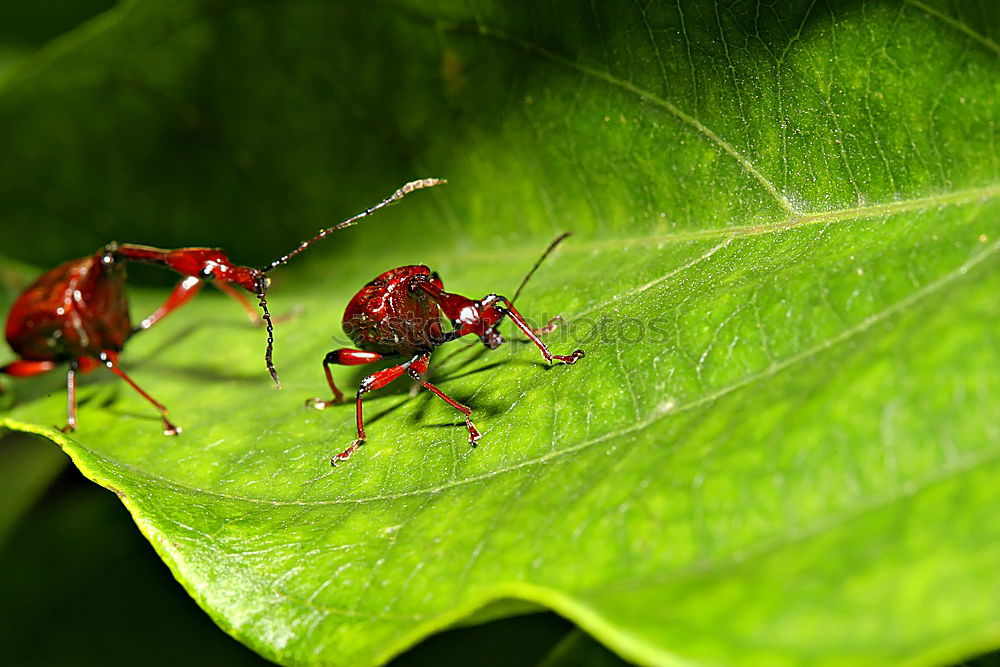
[
  {"x": 578, "y": 649},
  {"x": 27, "y": 467},
  {"x": 27, "y": 464},
  {"x": 26, "y": 26},
  {"x": 30, "y": 25},
  {"x": 782, "y": 445}
]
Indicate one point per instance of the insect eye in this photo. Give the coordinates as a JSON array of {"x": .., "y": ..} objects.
[{"x": 206, "y": 274}]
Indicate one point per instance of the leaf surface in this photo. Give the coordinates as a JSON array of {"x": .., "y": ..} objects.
[{"x": 781, "y": 446}]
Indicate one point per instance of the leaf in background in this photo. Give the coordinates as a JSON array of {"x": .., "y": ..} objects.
[
  {"x": 56, "y": 566},
  {"x": 27, "y": 467},
  {"x": 782, "y": 445},
  {"x": 29, "y": 25},
  {"x": 25, "y": 26},
  {"x": 578, "y": 649}
]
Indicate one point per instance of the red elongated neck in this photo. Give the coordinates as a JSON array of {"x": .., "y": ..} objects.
[
  {"x": 203, "y": 263},
  {"x": 468, "y": 316}
]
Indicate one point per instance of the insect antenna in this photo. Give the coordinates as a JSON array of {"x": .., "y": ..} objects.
[
  {"x": 548, "y": 251},
  {"x": 261, "y": 286},
  {"x": 395, "y": 196}
]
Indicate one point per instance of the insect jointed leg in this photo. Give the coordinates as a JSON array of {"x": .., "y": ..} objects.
[
  {"x": 374, "y": 381},
  {"x": 345, "y": 356},
  {"x": 110, "y": 360},
  {"x": 417, "y": 369}
]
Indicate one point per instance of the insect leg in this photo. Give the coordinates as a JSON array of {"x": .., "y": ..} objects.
[
  {"x": 70, "y": 399},
  {"x": 343, "y": 357},
  {"x": 110, "y": 359},
  {"x": 240, "y": 299},
  {"x": 81, "y": 365},
  {"x": 23, "y": 368},
  {"x": 184, "y": 291},
  {"x": 180, "y": 295},
  {"x": 416, "y": 371},
  {"x": 374, "y": 381},
  {"x": 519, "y": 322}
]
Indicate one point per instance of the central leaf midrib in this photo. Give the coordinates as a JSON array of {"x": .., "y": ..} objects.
[{"x": 976, "y": 195}]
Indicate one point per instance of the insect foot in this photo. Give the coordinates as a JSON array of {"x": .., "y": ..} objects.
[
  {"x": 571, "y": 358},
  {"x": 320, "y": 404},
  {"x": 474, "y": 434},
  {"x": 346, "y": 454},
  {"x": 403, "y": 314}
]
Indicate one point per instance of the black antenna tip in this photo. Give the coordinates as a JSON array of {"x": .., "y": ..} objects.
[
  {"x": 401, "y": 192},
  {"x": 270, "y": 333}
]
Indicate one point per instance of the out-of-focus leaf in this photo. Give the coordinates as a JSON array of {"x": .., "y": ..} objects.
[
  {"x": 27, "y": 467},
  {"x": 579, "y": 649},
  {"x": 80, "y": 587}
]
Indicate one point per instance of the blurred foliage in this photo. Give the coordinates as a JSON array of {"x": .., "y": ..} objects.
[
  {"x": 80, "y": 588},
  {"x": 26, "y": 470},
  {"x": 28, "y": 25}
]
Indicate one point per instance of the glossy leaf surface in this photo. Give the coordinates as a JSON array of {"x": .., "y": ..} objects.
[{"x": 782, "y": 445}]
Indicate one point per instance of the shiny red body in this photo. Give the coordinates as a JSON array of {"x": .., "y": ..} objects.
[
  {"x": 403, "y": 312},
  {"x": 78, "y": 309},
  {"x": 388, "y": 317},
  {"x": 78, "y": 312}
]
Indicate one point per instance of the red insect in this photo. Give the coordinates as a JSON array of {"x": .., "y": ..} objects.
[
  {"x": 78, "y": 313},
  {"x": 399, "y": 313}
]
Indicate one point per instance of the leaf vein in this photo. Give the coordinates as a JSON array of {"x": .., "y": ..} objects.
[
  {"x": 960, "y": 26},
  {"x": 657, "y": 415},
  {"x": 648, "y": 96}
]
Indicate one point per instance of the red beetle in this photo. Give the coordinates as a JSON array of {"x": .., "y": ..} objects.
[
  {"x": 399, "y": 314},
  {"x": 77, "y": 313}
]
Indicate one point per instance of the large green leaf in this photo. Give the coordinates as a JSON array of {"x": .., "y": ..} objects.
[
  {"x": 782, "y": 445},
  {"x": 26, "y": 469}
]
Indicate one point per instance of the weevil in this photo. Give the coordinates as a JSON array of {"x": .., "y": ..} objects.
[
  {"x": 402, "y": 313},
  {"x": 78, "y": 312}
]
